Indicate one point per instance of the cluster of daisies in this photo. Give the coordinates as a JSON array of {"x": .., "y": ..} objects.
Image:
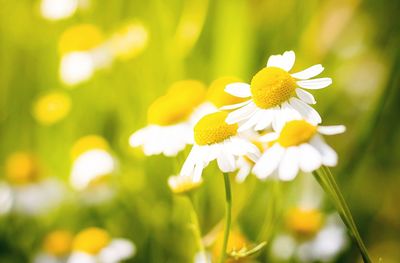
[
  {"x": 91, "y": 245},
  {"x": 266, "y": 127}
]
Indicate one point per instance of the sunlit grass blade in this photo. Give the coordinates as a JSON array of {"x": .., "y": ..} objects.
[
  {"x": 228, "y": 216},
  {"x": 325, "y": 178}
]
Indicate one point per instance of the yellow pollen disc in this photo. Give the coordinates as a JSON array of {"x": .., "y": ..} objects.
[
  {"x": 80, "y": 38},
  {"x": 272, "y": 86},
  {"x": 51, "y": 108},
  {"x": 177, "y": 105},
  {"x": 212, "y": 128},
  {"x": 58, "y": 243},
  {"x": 296, "y": 132},
  {"x": 91, "y": 240},
  {"x": 22, "y": 168},
  {"x": 304, "y": 222},
  {"x": 216, "y": 92},
  {"x": 87, "y": 143}
]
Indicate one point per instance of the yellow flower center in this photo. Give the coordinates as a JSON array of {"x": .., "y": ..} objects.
[
  {"x": 87, "y": 143},
  {"x": 129, "y": 41},
  {"x": 296, "y": 132},
  {"x": 91, "y": 240},
  {"x": 212, "y": 128},
  {"x": 22, "y": 168},
  {"x": 237, "y": 242},
  {"x": 177, "y": 105},
  {"x": 182, "y": 184},
  {"x": 271, "y": 87},
  {"x": 216, "y": 92},
  {"x": 304, "y": 222},
  {"x": 80, "y": 38},
  {"x": 51, "y": 108},
  {"x": 58, "y": 243}
]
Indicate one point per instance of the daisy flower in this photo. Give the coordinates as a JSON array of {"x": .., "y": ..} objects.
[
  {"x": 183, "y": 184},
  {"x": 297, "y": 145},
  {"x": 216, "y": 140},
  {"x": 273, "y": 90},
  {"x": 56, "y": 247},
  {"x": 171, "y": 119},
  {"x": 27, "y": 190},
  {"x": 311, "y": 236},
  {"x": 95, "y": 245}
]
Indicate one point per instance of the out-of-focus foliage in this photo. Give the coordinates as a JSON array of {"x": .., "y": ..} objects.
[{"x": 68, "y": 107}]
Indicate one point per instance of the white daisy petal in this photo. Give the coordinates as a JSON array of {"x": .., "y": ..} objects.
[
  {"x": 252, "y": 121},
  {"x": 235, "y": 106},
  {"x": 305, "y": 96},
  {"x": 309, "y": 72},
  {"x": 269, "y": 137},
  {"x": 329, "y": 156},
  {"x": 265, "y": 120},
  {"x": 241, "y": 114},
  {"x": 306, "y": 111},
  {"x": 331, "y": 130},
  {"x": 268, "y": 162},
  {"x": 226, "y": 162},
  {"x": 238, "y": 89},
  {"x": 315, "y": 83},
  {"x": 285, "y": 61},
  {"x": 310, "y": 158},
  {"x": 289, "y": 166}
]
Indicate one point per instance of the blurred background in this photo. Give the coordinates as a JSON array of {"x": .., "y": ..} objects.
[{"x": 77, "y": 77}]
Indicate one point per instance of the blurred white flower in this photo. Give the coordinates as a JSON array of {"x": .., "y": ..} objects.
[
  {"x": 58, "y": 9},
  {"x": 76, "y": 67}
]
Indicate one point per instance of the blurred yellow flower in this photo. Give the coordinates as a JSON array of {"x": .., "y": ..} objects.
[
  {"x": 51, "y": 108},
  {"x": 58, "y": 243},
  {"x": 176, "y": 106},
  {"x": 304, "y": 221},
  {"x": 22, "y": 168},
  {"x": 87, "y": 143},
  {"x": 237, "y": 242},
  {"x": 183, "y": 184},
  {"x": 128, "y": 41},
  {"x": 81, "y": 37},
  {"x": 216, "y": 92},
  {"x": 91, "y": 240}
]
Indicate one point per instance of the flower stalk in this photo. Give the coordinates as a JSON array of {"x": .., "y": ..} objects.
[
  {"x": 228, "y": 215},
  {"x": 325, "y": 178}
]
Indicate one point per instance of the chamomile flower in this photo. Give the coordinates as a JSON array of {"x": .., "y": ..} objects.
[
  {"x": 95, "y": 245},
  {"x": 171, "y": 119},
  {"x": 297, "y": 145},
  {"x": 273, "y": 90},
  {"x": 56, "y": 247},
  {"x": 183, "y": 184},
  {"x": 216, "y": 140},
  {"x": 311, "y": 236},
  {"x": 27, "y": 190}
]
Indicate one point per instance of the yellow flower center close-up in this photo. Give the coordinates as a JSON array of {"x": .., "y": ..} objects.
[
  {"x": 22, "y": 168},
  {"x": 91, "y": 240},
  {"x": 80, "y": 38},
  {"x": 51, "y": 108},
  {"x": 177, "y": 105},
  {"x": 271, "y": 87},
  {"x": 304, "y": 222},
  {"x": 296, "y": 132},
  {"x": 217, "y": 95},
  {"x": 212, "y": 128},
  {"x": 58, "y": 243}
]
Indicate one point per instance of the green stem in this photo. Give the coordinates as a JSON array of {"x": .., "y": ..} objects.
[
  {"x": 196, "y": 226},
  {"x": 325, "y": 178},
  {"x": 228, "y": 217}
]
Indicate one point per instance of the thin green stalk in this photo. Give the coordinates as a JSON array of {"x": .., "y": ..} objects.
[
  {"x": 228, "y": 216},
  {"x": 195, "y": 226},
  {"x": 325, "y": 178}
]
